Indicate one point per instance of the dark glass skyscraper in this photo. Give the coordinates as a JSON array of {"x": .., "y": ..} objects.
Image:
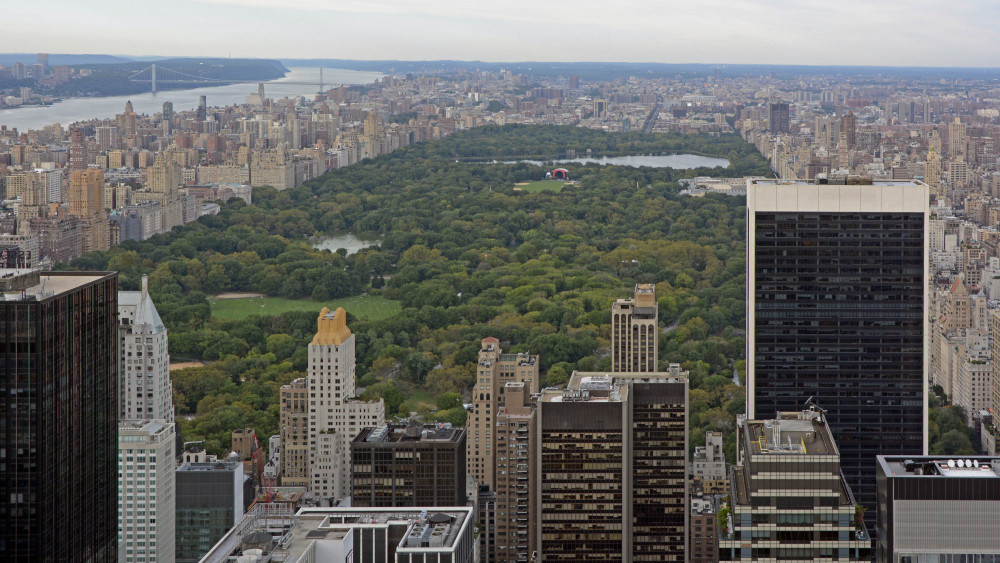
[
  {"x": 836, "y": 311},
  {"x": 58, "y": 416}
]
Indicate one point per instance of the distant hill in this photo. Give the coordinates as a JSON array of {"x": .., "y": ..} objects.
[
  {"x": 614, "y": 70},
  {"x": 55, "y": 59}
]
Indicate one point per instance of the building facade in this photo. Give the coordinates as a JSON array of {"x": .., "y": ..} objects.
[
  {"x": 59, "y": 364},
  {"x": 788, "y": 499},
  {"x": 938, "y": 509},
  {"x": 407, "y": 466},
  {"x": 612, "y": 469},
  {"x": 146, "y": 490},
  {"x": 837, "y": 311},
  {"x": 635, "y": 332}
]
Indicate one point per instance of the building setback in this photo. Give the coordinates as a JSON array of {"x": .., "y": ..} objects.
[
  {"x": 938, "y": 509},
  {"x": 409, "y": 466},
  {"x": 59, "y": 431},
  {"x": 612, "y": 463},
  {"x": 836, "y": 311}
]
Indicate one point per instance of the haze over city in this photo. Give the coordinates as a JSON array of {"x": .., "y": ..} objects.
[{"x": 850, "y": 32}]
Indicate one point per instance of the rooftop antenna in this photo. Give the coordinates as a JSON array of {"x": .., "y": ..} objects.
[{"x": 812, "y": 405}]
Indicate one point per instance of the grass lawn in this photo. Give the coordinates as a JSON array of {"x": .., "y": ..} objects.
[
  {"x": 373, "y": 307},
  {"x": 540, "y": 186}
]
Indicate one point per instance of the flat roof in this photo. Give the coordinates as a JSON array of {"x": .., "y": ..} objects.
[
  {"x": 928, "y": 467},
  {"x": 50, "y": 284},
  {"x": 791, "y": 433}
]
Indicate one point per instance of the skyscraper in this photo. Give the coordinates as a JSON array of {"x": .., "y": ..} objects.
[
  {"x": 516, "y": 469},
  {"x": 86, "y": 201},
  {"x": 339, "y": 415},
  {"x": 635, "y": 332},
  {"x": 778, "y": 121},
  {"x": 788, "y": 499},
  {"x": 938, "y": 509},
  {"x": 495, "y": 369},
  {"x": 145, "y": 392},
  {"x": 611, "y": 469},
  {"x": 295, "y": 433},
  {"x": 58, "y": 423},
  {"x": 146, "y": 503},
  {"x": 77, "y": 151},
  {"x": 168, "y": 117},
  {"x": 412, "y": 465},
  {"x": 836, "y": 312}
]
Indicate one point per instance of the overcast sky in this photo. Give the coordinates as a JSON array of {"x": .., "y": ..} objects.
[{"x": 842, "y": 32}]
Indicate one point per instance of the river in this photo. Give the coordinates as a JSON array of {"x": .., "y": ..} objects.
[
  {"x": 677, "y": 161},
  {"x": 84, "y": 109}
]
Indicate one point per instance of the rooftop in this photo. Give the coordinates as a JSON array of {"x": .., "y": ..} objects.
[
  {"x": 419, "y": 530},
  {"x": 587, "y": 386},
  {"x": 413, "y": 433},
  {"x": 791, "y": 433},
  {"x": 979, "y": 467},
  {"x": 36, "y": 285}
]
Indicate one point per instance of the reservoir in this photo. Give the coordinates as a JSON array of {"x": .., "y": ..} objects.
[
  {"x": 677, "y": 161},
  {"x": 84, "y": 109}
]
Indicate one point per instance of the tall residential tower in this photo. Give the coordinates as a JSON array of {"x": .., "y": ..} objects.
[{"x": 635, "y": 332}]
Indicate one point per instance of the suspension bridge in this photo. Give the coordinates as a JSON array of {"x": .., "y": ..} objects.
[{"x": 161, "y": 75}]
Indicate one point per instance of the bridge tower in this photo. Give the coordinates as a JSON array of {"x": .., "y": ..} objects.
[{"x": 154, "y": 78}]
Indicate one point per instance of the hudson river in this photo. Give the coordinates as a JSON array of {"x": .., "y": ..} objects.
[{"x": 84, "y": 109}]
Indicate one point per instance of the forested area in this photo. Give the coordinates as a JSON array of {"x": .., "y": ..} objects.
[{"x": 467, "y": 257}]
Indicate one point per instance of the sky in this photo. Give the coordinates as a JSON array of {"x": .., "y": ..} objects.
[{"x": 832, "y": 32}]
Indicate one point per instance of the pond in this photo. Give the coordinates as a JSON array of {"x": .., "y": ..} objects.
[{"x": 346, "y": 241}]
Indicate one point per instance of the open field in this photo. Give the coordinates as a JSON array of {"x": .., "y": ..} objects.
[
  {"x": 372, "y": 307},
  {"x": 540, "y": 186}
]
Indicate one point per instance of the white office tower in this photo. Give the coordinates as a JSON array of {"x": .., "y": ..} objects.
[
  {"x": 336, "y": 416},
  {"x": 146, "y": 491},
  {"x": 145, "y": 392}
]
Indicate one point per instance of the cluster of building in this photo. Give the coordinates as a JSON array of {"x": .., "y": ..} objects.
[{"x": 43, "y": 76}]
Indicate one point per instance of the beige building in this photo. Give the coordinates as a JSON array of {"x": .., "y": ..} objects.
[
  {"x": 515, "y": 474},
  {"x": 86, "y": 201},
  {"x": 295, "y": 434},
  {"x": 635, "y": 332},
  {"x": 272, "y": 167},
  {"x": 495, "y": 370},
  {"x": 339, "y": 415}
]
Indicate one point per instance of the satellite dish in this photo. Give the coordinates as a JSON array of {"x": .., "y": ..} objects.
[
  {"x": 968, "y": 463},
  {"x": 976, "y": 464},
  {"x": 951, "y": 464}
]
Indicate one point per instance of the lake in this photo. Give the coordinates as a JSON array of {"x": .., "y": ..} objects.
[
  {"x": 85, "y": 109},
  {"x": 347, "y": 241},
  {"x": 677, "y": 161}
]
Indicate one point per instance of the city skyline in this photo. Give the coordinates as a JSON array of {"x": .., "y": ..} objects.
[{"x": 869, "y": 34}]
